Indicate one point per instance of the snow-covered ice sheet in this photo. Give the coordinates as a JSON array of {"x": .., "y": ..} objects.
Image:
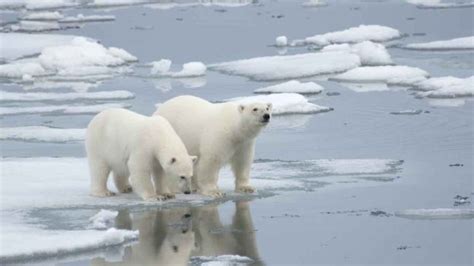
[
  {"x": 111, "y": 3},
  {"x": 441, "y": 213},
  {"x": 38, "y": 4},
  {"x": 464, "y": 43},
  {"x": 290, "y": 66},
  {"x": 446, "y": 87},
  {"x": 393, "y": 75},
  {"x": 6, "y": 96},
  {"x": 45, "y": 15},
  {"x": 292, "y": 86},
  {"x": 370, "y": 53},
  {"x": 285, "y": 103},
  {"x": 440, "y": 4},
  {"x": 90, "y": 18},
  {"x": 61, "y": 109},
  {"x": 34, "y": 26},
  {"x": 103, "y": 219},
  {"x": 42, "y": 134},
  {"x": 361, "y": 33},
  {"x": 16, "y": 45}
]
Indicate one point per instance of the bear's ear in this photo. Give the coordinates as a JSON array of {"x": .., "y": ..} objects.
[
  {"x": 173, "y": 160},
  {"x": 194, "y": 159},
  {"x": 269, "y": 105},
  {"x": 241, "y": 108}
]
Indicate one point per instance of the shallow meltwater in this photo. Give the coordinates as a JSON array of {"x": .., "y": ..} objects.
[{"x": 367, "y": 159}]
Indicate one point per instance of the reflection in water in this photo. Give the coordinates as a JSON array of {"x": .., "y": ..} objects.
[{"x": 173, "y": 236}]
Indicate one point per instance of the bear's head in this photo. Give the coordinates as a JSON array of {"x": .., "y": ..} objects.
[
  {"x": 256, "y": 115},
  {"x": 181, "y": 169}
]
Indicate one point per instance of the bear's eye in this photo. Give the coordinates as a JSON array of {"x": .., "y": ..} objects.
[
  {"x": 255, "y": 109},
  {"x": 183, "y": 177}
]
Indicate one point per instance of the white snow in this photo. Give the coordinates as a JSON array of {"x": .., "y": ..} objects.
[
  {"x": 81, "y": 57},
  {"x": 42, "y": 134},
  {"x": 285, "y": 103},
  {"x": 61, "y": 109},
  {"x": 43, "y": 16},
  {"x": 45, "y": 96},
  {"x": 314, "y": 3},
  {"x": 15, "y": 45},
  {"x": 90, "y": 18},
  {"x": 453, "y": 44},
  {"x": 370, "y": 53},
  {"x": 441, "y": 213},
  {"x": 394, "y": 75},
  {"x": 290, "y": 66},
  {"x": 281, "y": 41},
  {"x": 35, "y": 26},
  {"x": 103, "y": 219},
  {"x": 361, "y": 33},
  {"x": 38, "y": 4},
  {"x": 439, "y": 4},
  {"x": 446, "y": 87},
  {"x": 293, "y": 86}
]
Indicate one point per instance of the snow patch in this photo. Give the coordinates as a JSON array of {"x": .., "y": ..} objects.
[
  {"x": 446, "y": 87},
  {"x": 370, "y": 53},
  {"x": 464, "y": 43},
  {"x": 42, "y": 134},
  {"x": 292, "y": 86},
  {"x": 393, "y": 75},
  {"x": 285, "y": 103},
  {"x": 290, "y": 66}
]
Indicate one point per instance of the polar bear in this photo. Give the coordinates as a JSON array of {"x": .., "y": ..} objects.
[
  {"x": 218, "y": 134},
  {"x": 136, "y": 146}
]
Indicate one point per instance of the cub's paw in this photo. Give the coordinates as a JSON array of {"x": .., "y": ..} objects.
[
  {"x": 168, "y": 195},
  {"x": 214, "y": 193},
  {"x": 245, "y": 189},
  {"x": 127, "y": 189},
  {"x": 103, "y": 194}
]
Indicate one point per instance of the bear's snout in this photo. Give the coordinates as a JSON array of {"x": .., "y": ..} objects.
[{"x": 266, "y": 117}]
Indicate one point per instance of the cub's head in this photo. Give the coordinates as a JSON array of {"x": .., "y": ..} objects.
[
  {"x": 180, "y": 169},
  {"x": 256, "y": 114}
]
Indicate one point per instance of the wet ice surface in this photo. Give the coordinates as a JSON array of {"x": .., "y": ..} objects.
[{"x": 326, "y": 182}]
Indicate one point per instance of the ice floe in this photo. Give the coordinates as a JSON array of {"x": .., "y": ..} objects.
[
  {"x": 440, "y": 4},
  {"x": 281, "y": 41},
  {"x": 111, "y": 3},
  {"x": 34, "y": 26},
  {"x": 103, "y": 219},
  {"x": 285, "y": 103},
  {"x": 53, "y": 15},
  {"x": 393, "y": 75},
  {"x": 314, "y": 3},
  {"x": 81, "y": 57},
  {"x": 289, "y": 66},
  {"x": 464, "y": 43},
  {"x": 38, "y": 4},
  {"x": 162, "y": 67},
  {"x": 42, "y": 134},
  {"x": 221, "y": 260},
  {"x": 407, "y": 112},
  {"x": 46, "y": 96},
  {"x": 446, "y": 87},
  {"x": 292, "y": 86},
  {"x": 61, "y": 109},
  {"x": 361, "y": 33},
  {"x": 370, "y": 53},
  {"x": 441, "y": 213},
  {"x": 90, "y": 18}
]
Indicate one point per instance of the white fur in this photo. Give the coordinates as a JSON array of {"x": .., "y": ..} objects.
[
  {"x": 136, "y": 146},
  {"x": 218, "y": 134}
]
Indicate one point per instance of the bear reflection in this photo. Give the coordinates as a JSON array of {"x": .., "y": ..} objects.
[{"x": 172, "y": 237}]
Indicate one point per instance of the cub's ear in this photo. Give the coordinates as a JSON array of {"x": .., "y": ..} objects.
[
  {"x": 269, "y": 105},
  {"x": 241, "y": 108},
  {"x": 173, "y": 160},
  {"x": 194, "y": 159}
]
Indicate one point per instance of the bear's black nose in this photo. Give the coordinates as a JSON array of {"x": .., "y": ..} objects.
[
  {"x": 187, "y": 192},
  {"x": 266, "y": 117}
]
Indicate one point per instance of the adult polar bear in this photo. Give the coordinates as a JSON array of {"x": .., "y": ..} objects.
[
  {"x": 218, "y": 134},
  {"x": 136, "y": 146}
]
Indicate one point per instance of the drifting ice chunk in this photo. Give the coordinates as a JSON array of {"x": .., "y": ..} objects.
[
  {"x": 370, "y": 53},
  {"x": 43, "y": 16},
  {"x": 438, "y": 4},
  {"x": 61, "y": 109},
  {"x": 35, "y": 26},
  {"x": 105, "y": 3},
  {"x": 20, "y": 70},
  {"x": 293, "y": 86},
  {"x": 160, "y": 67},
  {"x": 82, "y": 18},
  {"x": 42, "y": 134},
  {"x": 436, "y": 213},
  {"x": 407, "y": 112},
  {"x": 281, "y": 41},
  {"x": 394, "y": 75},
  {"x": 356, "y": 34},
  {"x": 191, "y": 69},
  {"x": 454, "y": 44},
  {"x": 103, "y": 219},
  {"x": 40, "y": 96},
  {"x": 446, "y": 87},
  {"x": 314, "y": 3},
  {"x": 290, "y": 66},
  {"x": 285, "y": 103}
]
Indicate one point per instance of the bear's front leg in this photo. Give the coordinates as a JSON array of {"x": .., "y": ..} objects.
[
  {"x": 207, "y": 175},
  {"x": 241, "y": 163},
  {"x": 160, "y": 181},
  {"x": 140, "y": 176}
]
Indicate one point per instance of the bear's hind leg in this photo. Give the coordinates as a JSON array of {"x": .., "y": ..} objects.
[
  {"x": 207, "y": 176},
  {"x": 121, "y": 183},
  {"x": 99, "y": 171}
]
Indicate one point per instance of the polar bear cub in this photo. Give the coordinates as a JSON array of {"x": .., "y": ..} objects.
[
  {"x": 218, "y": 134},
  {"x": 137, "y": 147}
]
